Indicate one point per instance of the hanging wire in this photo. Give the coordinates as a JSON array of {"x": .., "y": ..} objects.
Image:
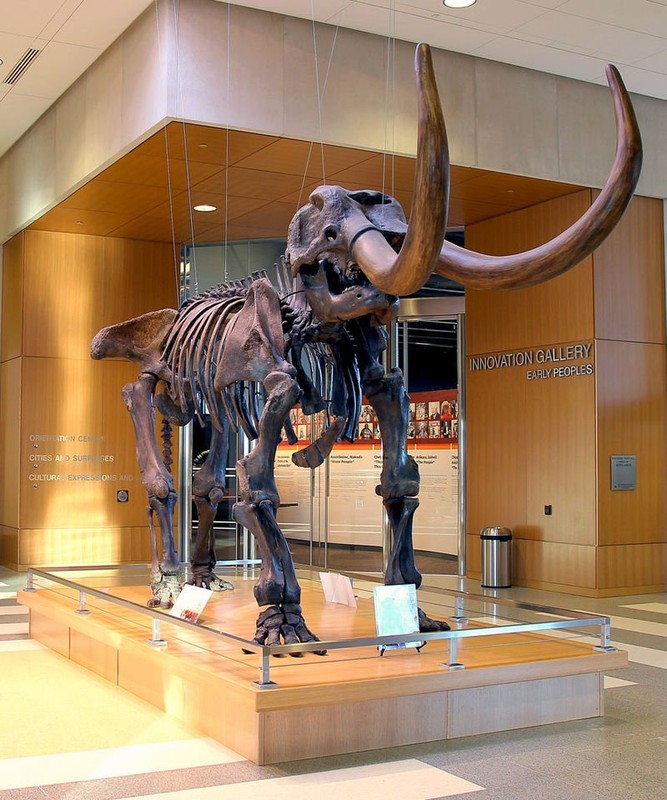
[
  {"x": 389, "y": 103},
  {"x": 317, "y": 83},
  {"x": 180, "y": 113},
  {"x": 227, "y": 165},
  {"x": 175, "y": 252},
  {"x": 320, "y": 97}
]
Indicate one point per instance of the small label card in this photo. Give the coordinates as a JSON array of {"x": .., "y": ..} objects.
[
  {"x": 396, "y": 612},
  {"x": 190, "y": 602},
  {"x": 338, "y": 589}
]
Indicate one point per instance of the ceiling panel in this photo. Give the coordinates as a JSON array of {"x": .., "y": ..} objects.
[
  {"x": 609, "y": 41},
  {"x": 120, "y": 198},
  {"x": 532, "y": 56},
  {"x": 12, "y": 48},
  {"x": 132, "y": 198},
  {"x": 75, "y": 220},
  {"x": 96, "y": 23},
  {"x": 28, "y": 17},
  {"x": 500, "y": 16},
  {"x": 55, "y": 68},
  {"x": 649, "y": 16},
  {"x": 151, "y": 170}
]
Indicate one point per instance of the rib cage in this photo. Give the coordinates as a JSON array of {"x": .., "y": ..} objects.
[
  {"x": 193, "y": 347},
  {"x": 196, "y": 341}
]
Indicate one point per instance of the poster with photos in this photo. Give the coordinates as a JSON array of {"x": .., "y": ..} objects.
[{"x": 433, "y": 418}]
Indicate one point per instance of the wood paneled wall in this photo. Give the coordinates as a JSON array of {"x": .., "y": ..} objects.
[
  {"x": 548, "y": 441},
  {"x": 66, "y": 439},
  {"x": 631, "y": 388}
]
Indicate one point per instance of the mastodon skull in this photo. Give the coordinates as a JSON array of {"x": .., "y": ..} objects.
[{"x": 368, "y": 228}]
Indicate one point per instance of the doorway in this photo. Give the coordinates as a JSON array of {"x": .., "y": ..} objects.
[{"x": 332, "y": 516}]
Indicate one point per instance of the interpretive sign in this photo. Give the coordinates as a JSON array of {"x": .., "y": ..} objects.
[
  {"x": 396, "y": 613},
  {"x": 623, "y": 473},
  {"x": 338, "y": 589},
  {"x": 190, "y": 603}
]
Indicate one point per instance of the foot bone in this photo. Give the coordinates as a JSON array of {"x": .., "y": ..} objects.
[
  {"x": 207, "y": 579},
  {"x": 284, "y": 624},
  {"x": 165, "y": 587},
  {"x": 428, "y": 625}
]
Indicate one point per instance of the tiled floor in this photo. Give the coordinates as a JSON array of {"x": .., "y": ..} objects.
[{"x": 68, "y": 734}]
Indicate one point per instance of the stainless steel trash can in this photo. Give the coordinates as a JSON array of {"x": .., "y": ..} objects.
[{"x": 496, "y": 546}]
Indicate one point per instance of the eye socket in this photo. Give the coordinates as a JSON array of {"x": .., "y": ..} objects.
[
  {"x": 317, "y": 200},
  {"x": 368, "y": 198},
  {"x": 330, "y": 234}
]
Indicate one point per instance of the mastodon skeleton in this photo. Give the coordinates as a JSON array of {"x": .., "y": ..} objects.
[{"x": 316, "y": 339}]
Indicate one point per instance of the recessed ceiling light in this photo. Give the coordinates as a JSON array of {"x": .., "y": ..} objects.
[
  {"x": 205, "y": 207},
  {"x": 459, "y": 3}
]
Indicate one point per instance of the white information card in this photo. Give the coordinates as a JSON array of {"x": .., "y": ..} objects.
[
  {"x": 396, "y": 612},
  {"x": 190, "y": 602},
  {"x": 338, "y": 589}
]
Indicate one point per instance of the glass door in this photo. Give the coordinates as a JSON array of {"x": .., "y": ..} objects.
[
  {"x": 331, "y": 516},
  {"x": 427, "y": 351}
]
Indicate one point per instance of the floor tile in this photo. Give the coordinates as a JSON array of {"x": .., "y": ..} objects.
[
  {"x": 657, "y": 608},
  {"x": 10, "y": 610},
  {"x": 96, "y": 764},
  {"x": 20, "y": 645},
  {"x": 410, "y": 779},
  {"x": 616, "y": 683},
  {"x": 11, "y": 628}
]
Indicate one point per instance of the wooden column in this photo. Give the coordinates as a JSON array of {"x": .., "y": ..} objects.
[
  {"x": 560, "y": 377},
  {"x": 66, "y": 441}
]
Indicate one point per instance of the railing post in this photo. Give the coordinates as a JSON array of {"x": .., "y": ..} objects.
[
  {"x": 453, "y": 649},
  {"x": 82, "y": 604},
  {"x": 265, "y": 681},
  {"x": 29, "y": 582},
  {"x": 459, "y": 617},
  {"x": 156, "y": 641},
  {"x": 605, "y": 645}
]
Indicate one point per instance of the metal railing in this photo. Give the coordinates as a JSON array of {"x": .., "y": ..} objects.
[{"x": 461, "y": 599}]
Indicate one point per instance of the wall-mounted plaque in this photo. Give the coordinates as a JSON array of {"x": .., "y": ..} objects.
[{"x": 623, "y": 473}]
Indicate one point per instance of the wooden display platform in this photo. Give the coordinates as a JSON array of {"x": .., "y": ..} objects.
[{"x": 347, "y": 701}]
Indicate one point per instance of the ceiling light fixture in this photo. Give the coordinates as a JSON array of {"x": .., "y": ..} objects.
[
  {"x": 458, "y": 3},
  {"x": 205, "y": 207}
]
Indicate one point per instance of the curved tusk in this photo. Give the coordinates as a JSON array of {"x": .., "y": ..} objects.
[
  {"x": 406, "y": 273},
  {"x": 480, "y": 271}
]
